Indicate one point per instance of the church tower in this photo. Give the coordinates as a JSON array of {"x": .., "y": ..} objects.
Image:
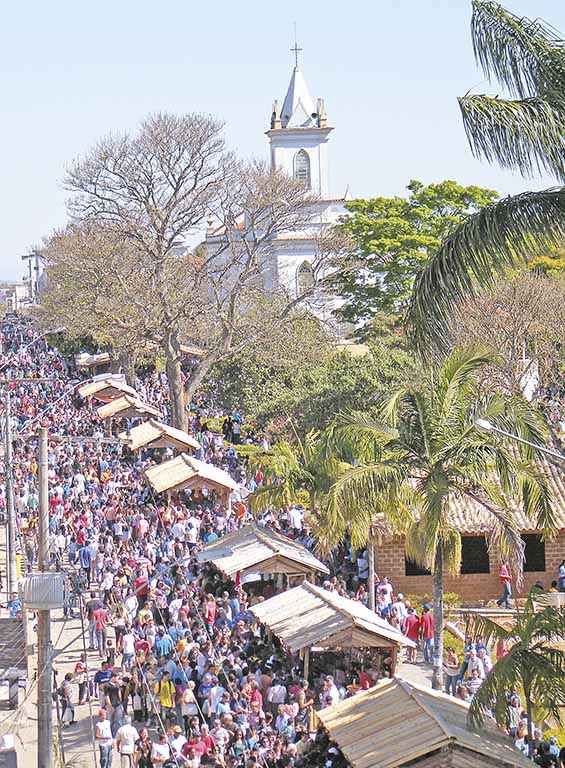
[{"x": 299, "y": 135}]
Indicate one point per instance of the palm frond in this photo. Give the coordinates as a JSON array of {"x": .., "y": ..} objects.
[
  {"x": 457, "y": 373},
  {"x": 524, "y": 55},
  {"x": 484, "y": 245},
  {"x": 527, "y": 135}
]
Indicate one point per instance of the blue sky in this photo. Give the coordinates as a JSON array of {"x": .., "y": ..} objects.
[{"x": 389, "y": 70}]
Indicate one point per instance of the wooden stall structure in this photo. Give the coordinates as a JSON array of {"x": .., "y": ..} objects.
[
  {"x": 308, "y": 616},
  {"x": 397, "y": 723},
  {"x": 260, "y": 550},
  {"x": 155, "y": 434},
  {"x": 126, "y": 407},
  {"x": 99, "y": 361},
  {"x": 105, "y": 388},
  {"x": 185, "y": 471}
]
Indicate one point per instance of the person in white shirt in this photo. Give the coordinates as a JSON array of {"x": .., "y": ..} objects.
[
  {"x": 276, "y": 695},
  {"x": 103, "y": 736},
  {"x": 178, "y": 741},
  {"x": 161, "y": 751},
  {"x": 401, "y": 609},
  {"x": 128, "y": 648},
  {"x": 126, "y": 736}
]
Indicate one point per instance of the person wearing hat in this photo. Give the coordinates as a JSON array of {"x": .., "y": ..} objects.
[{"x": 177, "y": 740}]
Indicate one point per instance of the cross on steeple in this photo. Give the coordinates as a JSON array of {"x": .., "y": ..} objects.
[{"x": 296, "y": 50}]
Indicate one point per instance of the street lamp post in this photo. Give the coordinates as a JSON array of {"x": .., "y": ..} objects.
[{"x": 486, "y": 426}]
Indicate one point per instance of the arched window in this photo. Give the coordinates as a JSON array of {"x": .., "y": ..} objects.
[
  {"x": 304, "y": 278},
  {"x": 302, "y": 167}
]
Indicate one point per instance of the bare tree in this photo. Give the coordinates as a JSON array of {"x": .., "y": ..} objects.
[
  {"x": 136, "y": 201},
  {"x": 521, "y": 321}
]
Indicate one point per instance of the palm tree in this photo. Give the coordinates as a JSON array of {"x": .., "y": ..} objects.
[
  {"x": 535, "y": 664},
  {"x": 294, "y": 472},
  {"x": 424, "y": 453},
  {"x": 525, "y": 132}
]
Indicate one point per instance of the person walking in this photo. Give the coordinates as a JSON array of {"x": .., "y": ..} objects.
[
  {"x": 126, "y": 738},
  {"x": 561, "y": 576},
  {"x": 427, "y": 632},
  {"x": 103, "y": 736},
  {"x": 506, "y": 584}
]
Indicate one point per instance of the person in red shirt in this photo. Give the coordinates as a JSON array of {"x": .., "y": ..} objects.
[
  {"x": 411, "y": 629},
  {"x": 506, "y": 584},
  {"x": 427, "y": 634},
  {"x": 101, "y": 618}
]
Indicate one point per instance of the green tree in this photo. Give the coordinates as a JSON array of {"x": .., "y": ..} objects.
[
  {"x": 534, "y": 664},
  {"x": 306, "y": 394},
  {"x": 525, "y": 133},
  {"x": 392, "y": 239},
  {"x": 423, "y": 454}
]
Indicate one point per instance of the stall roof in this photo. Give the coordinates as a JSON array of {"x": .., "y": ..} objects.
[
  {"x": 396, "y": 722},
  {"x": 126, "y": 406},
  {"x": 86, "y": 360},
  {"x": 192, "y": 350},
  {"x": 106, "y": 388},
  {"x": 185, "y": 471},
  {"x": 308, "y": 615},
  {"x": 156, "y": 434},
  {"x": 262, "y": 550}
]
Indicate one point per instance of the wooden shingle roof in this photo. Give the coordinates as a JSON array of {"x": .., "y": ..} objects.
[
  {"x": 396, "y": 722},
  {"x": 185, "y": 471},
  {"x": 261, "y": 550},
  {"x": 156, "y": 434},
  {"x": 308, "y": 615}
]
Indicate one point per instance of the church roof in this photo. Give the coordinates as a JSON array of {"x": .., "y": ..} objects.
[{"x": 299, "y": 106}]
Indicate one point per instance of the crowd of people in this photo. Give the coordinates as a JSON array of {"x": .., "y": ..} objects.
[{"x": 179, "y": 670}]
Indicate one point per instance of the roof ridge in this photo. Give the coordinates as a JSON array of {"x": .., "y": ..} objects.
[{"x": 417, "y": 695}]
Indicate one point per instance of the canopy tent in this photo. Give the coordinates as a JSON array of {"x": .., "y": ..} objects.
[
  {"x": 86, "y": 360},
  {"x": 126, "y": 407},
  {"x": 260, "y": 550},
  {"x": 397, "y": 723},
  {"x": 308, "y": 615},
  {"x": 106, "y": 387},
  {"x": 187, "y": 472},
  {"x": 156, "y": 434}
]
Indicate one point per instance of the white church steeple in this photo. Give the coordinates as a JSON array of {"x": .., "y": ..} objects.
[{"x": 299, "y": 134}]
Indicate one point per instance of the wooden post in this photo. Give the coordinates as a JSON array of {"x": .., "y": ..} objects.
[
  {"x": 371, "y": 561},
  {"x": 394, "y": 654},
  {"x": 306, "y": 663}
]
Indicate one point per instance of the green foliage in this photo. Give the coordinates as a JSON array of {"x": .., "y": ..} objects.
[
  {"x": 421, "y": 453},
  {"x": 393, "y": 239},
  {"x": 309, "y": 394},
  {"x": 550, "y": 264},
  {"x": 535, "y": 663},
  {"x": 524, "y": 133}
]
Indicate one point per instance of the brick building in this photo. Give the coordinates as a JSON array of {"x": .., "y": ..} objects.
[{"x": 478, "y": 580}]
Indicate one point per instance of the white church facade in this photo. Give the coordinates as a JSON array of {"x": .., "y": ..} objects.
[{"x": 298, "y": 139}]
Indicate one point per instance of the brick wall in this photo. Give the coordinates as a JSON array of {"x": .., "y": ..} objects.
[{"x": 473, "y": 587}]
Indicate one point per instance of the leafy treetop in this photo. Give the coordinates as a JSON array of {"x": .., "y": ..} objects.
[{"x": 392, "y": 239}]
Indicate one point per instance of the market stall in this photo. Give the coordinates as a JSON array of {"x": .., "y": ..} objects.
[
  {"x": 309, "y": 618},
  {"x": 126, "y": 407},
  {"x": 155, "y": 434},
  {"x": 397, "y": 723},
  {"x": 262, "y": 552}
]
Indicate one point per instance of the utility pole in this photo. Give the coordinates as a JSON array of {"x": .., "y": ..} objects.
[
  {"x": 44, "y": 663},
  {"x": 11, "y": 513}
]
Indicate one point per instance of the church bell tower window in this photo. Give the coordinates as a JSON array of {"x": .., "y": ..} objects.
[{"x": 302, "y": 168}]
